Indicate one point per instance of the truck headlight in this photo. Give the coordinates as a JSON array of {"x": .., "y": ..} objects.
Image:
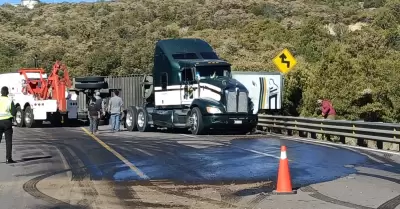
[{"x": 213, "y": 110}]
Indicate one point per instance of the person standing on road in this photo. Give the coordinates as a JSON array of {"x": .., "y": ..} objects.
[
  {"x": 7, "y": 112},
  {"x": 94, "y": 114},
  {"x": 100, "y": 106},
  {"x": 328, "y": 112},
  {"x": 115, "y": 108}
]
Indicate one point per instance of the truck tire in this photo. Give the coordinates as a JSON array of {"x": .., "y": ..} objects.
[
  {"x": 89, "y": 79},
  {"x": 130, "y": 119},
  {"x": 29, "y": 118},
  {"x": 197, "y": 127},
  {"x": 143, "y": 121},
  {"x": 19, "y": 117},
  {"x": 91, "y": 85}
]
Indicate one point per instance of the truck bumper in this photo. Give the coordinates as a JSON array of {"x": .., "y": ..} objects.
[
  {"x": 82, "y": 115},
  {"x": 230, "y": 121}
]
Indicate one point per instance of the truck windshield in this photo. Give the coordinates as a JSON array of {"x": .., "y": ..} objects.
[{"x": 213, "y": 71}]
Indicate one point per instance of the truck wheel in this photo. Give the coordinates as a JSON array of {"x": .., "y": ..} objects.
[
  {"x": 19, "y": 117},
  {"x": 29, "y": 119},
  {"x": 130, "y": 119},
  {"x": 89, "y": 79},
  {"x": 91, "y": 85},
  {"x": 142, "y": 121},
  {"x": 197, "y": 126}
]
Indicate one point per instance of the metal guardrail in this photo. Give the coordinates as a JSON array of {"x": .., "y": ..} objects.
[{"x": 361, "y": 131}]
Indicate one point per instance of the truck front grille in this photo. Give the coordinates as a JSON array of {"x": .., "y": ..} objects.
[
  {"x": 231, "y": 105},
  {"x": 236, "y": 102},
  {"x": 243, "y": 103}
]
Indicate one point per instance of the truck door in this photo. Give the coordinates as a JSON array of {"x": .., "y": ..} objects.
[{"x": 187, "y": 86}]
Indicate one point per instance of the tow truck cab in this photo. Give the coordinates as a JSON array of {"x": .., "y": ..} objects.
[{"x": 191, "y": 87}]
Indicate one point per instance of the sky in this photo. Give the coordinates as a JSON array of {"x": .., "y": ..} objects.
[{"x": 45, "y": 1}]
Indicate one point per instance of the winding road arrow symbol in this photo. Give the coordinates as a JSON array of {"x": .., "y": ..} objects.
[{"x": 283, "y": 57}]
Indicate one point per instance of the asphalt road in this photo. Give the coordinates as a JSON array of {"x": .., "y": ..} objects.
[{"x": 67, "y": 168}]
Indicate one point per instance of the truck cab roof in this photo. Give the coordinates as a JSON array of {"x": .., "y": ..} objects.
[
  {"x": 199, "y": 62},
  {"x": 171, "y": 55}
]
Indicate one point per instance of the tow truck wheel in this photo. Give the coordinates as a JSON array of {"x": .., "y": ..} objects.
[
  {"x": 19, "y": 121},
  {"x": 28, "y": 117},
  {"x": 130, "y": 119},
  {"x": 196, "y": 121},
  {"x": 142, "y": 121}
]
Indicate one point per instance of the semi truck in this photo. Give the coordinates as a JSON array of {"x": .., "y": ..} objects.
[
  {"x": 192, "y": 88},
  {"x": 40, "y": 97}
]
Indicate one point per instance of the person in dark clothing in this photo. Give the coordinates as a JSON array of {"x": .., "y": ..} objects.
[
  {"x": 100, "y": 106},
  {"x": 94, "y": 114},
  {"x": 7, "y": 112},
  {"x": 328, "y": 112}
]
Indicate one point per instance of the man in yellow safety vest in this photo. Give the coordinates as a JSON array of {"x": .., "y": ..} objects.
[{"x": 7, "y": 112}]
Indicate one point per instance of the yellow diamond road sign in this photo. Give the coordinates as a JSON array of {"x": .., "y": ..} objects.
[{"x": 284, "y": 61}]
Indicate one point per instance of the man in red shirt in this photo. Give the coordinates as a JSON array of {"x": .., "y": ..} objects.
[{"x": 328, "y": 112}]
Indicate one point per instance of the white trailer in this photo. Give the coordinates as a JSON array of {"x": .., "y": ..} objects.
[{"x": 265, "y": 89}]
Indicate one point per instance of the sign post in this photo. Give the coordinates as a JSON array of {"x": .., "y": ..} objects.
[{"x": 284, "y": 61}]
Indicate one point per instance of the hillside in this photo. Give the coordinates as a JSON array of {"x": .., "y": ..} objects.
[{"x": 347, "y": 51}]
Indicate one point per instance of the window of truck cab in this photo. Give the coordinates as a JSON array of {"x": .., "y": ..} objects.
[{"x": 211, "y": 71}]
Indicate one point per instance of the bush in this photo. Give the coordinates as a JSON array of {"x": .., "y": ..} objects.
[{"x": 117, "y": 38}]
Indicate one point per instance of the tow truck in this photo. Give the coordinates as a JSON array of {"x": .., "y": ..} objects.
[{"x": 39, "y": 97}]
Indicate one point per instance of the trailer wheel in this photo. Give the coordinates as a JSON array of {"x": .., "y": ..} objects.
[
  {"x": 102, "y": 85},
  {"x": 142, "y": 121},
  {"x": 196, "y": 121},
  {"x": 89, "y": 79},
  {"x": 19, "y": 117},
  {"x": 130, "y": 119},
  {"x": 29, "y": 119}
]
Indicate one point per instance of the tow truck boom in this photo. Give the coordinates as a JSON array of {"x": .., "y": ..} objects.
[{"x": 53, "y": 87}]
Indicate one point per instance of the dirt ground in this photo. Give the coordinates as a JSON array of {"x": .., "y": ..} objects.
[{"x": 85, "y": 193}]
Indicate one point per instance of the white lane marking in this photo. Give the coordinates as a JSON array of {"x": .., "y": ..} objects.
[
  {"x": 334, "y": 144},
  {"x": 249, "y": 150},
  {"x": 257, "y": 152},
  {"x": 143, "y": 151},
  {"x": 191, "y": 136}
]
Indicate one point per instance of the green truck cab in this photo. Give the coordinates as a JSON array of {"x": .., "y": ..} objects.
[{"x": 191, "y": 88}]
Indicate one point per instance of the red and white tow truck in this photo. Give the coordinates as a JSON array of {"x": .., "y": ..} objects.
[{"x": 40, "y": 97}]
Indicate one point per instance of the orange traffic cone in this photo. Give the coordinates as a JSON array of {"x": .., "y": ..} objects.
[{"x": 284, "y": 185}]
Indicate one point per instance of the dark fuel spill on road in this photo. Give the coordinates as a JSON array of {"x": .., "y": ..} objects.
[{"x": 241, "y": 159}]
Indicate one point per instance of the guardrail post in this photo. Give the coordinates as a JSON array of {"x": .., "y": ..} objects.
[
  {"x": 342, "y": 139},
  {"x": 313, "y": 135},
  {"x": 301, "y": 133},
  {"x": 379, "y": 144},
  {"x": 290, "y": 131},
  {"x": 276, "y": 130},
  {"x": 327, "y": 136},
  {"x": 394, "y": 146},
  {"x": 360, "y": 142}
]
